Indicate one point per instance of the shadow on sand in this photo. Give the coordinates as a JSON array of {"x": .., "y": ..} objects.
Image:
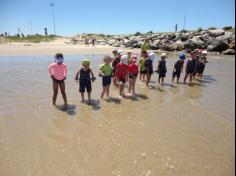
[
  {"x": 70, "y": 109},
  {"x": 114, "y": 100},
  {"x": 95, "y": 104}
]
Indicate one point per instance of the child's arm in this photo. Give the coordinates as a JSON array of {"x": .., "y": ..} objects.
[
  {"x": 65, "y": 72},
  {"x": 93, "y": 77},
  {"x": 100, "y": 72},
  {"x": 77, "y": 76},
  {"x": 158, "y": 65},
  {"x": 50, "y": 69}
]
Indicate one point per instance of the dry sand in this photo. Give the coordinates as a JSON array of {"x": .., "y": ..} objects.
[{"x": 50, "y": 48}]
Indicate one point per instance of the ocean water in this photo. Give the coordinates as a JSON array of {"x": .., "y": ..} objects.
[{"x": 173, "y": 130}]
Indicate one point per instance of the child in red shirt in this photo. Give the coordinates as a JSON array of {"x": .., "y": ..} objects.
[
  {"x": 133, "y": 73},
  {"x": 121, "y": 74}
]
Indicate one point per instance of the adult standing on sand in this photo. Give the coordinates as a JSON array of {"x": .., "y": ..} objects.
[{"x": 145, "y": 46}]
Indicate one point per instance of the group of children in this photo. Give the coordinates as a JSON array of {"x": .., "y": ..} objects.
[{"x": 124, "y": 68}]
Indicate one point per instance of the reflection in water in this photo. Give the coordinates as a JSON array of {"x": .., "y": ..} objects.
[{"x": 165, "y": 130}]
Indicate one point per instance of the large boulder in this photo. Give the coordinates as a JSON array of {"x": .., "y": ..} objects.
[
  {"x": 154, "y": 47},
  {"x": 111, "y": 42},
  {"x": 118, "y": 44},
  {"x": 218, "y": 46},
  {"x": 137, "y": 45},
  {"x": 229, "y": 52},
  {"x": 216, "y": 32},
  {"x": 179, "y": 46},
  {"x": 232, "y": 45},
  {"x": 197, "y": 40},
  {"x": 190, "y": 45},
  {"x": 185, "y": 37},
  {"x": 166, "y": 47}
]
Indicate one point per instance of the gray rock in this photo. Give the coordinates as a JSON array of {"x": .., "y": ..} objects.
[
  {"x": 111, "y": 42},
  {"x": 229, "y": 52},
  {"x": 190, "y": 45},
  {"x": 118, "y": 44},
  {"x": 166, "y": 47},
  {"x": 218, "y": 46},
  {"x": 216, "y": 32},
  {"x": 197, "y": 40},
  {"x": 179, "y": 46},
  {"x": 232, "y": 45}
]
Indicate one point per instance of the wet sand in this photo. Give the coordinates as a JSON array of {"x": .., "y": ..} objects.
[{"x": 179, "y": 131}]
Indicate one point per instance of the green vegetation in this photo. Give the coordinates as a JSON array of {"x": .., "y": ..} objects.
[
  {"x": 183, "y": 31},
  {"x": 32, "y": 38},
  {"x": 212, "y": 28},
  {"x": 96, "y": 36},
  {"x": 137, "y": 34},
  {"x": 199, "y": 29}
]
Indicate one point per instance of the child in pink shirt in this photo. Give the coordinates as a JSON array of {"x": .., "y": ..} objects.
[{"x": 58, "y": 72}]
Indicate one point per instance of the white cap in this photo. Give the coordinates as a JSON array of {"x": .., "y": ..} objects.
[
  {"x": 120, "y": 52},
  {"x": 204, "y": 52},
  {"x": 125, "y": 59},
  {"x": 163, "y": 55},
  {"x": 152, "y": 56}
]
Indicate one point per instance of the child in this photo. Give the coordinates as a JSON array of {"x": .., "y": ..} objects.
[
  {"x": 83, "y": 75},
  {"x": 58, "y": 72},
  {"x": 178, "y": 67},
  {"x": 121, "y": 74},
  {"x": 142, "y": 66},
  {"x": 114, "y": 65},
  {"x": 189, "y": 68},
  {"x": 202, "y": 64},
  {"x": 161, "y": 68},
  {"x": 149, "y": 67},
  {"x": 105, "y": 72},
  {"x": 114, "y": 52},
  {"x": 133, "y": 73}
]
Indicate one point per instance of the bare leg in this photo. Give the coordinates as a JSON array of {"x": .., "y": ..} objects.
[
  {"x": 148, "y": 79},
  {"x": 130, "y": 85},
  {"x": 55, "y": 92},
  {"x": 63, "y": 92},
  {"x": 89, "y": 96},
  {"x": 121, "y": 89},
  {"x": 103, "y": 92},
  {"x": 108, "y": 91},
  {"x": 134, "y": 81},
  {"x": 178, "y": 80},
  {"x": 162, "y": 79},
  {"x": 190, "y": 78},
  {"x": 82, "y": 96},
  {"x": 185, "y": 78}
]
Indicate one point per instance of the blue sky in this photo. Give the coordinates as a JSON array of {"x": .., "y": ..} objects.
[{"x": 113, "y": 16}]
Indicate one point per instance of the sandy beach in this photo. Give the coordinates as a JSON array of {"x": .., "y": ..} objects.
[
  {"x": 50, "y": 48},
  {"x": 176, "y": 130}
]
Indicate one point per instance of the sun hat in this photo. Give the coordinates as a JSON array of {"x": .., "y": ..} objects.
[
  {"x": 152, "y": 56},
  {"x": 124, "y": 57},
  {"x": 120, "y": 52},
  {"x": 163, "y": 55},
  {"x": 182, "y": 56},
  {"x": 86, "y": 62},
  {"x": 59, "y": 59}
]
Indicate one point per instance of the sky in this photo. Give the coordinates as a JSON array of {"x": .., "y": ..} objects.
[{"x": 74, "y": 17}]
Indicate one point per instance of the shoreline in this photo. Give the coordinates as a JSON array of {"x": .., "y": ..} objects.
[{"x": 50, "y": 48}]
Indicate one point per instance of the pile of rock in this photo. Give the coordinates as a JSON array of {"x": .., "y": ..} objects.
[{"x": 217, "y": 40}]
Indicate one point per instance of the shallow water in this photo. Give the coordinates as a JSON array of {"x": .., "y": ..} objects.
[{"x": 181, "y": 130}]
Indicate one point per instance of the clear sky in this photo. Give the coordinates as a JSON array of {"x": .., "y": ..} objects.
[{"x": 113, "y": 16}]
